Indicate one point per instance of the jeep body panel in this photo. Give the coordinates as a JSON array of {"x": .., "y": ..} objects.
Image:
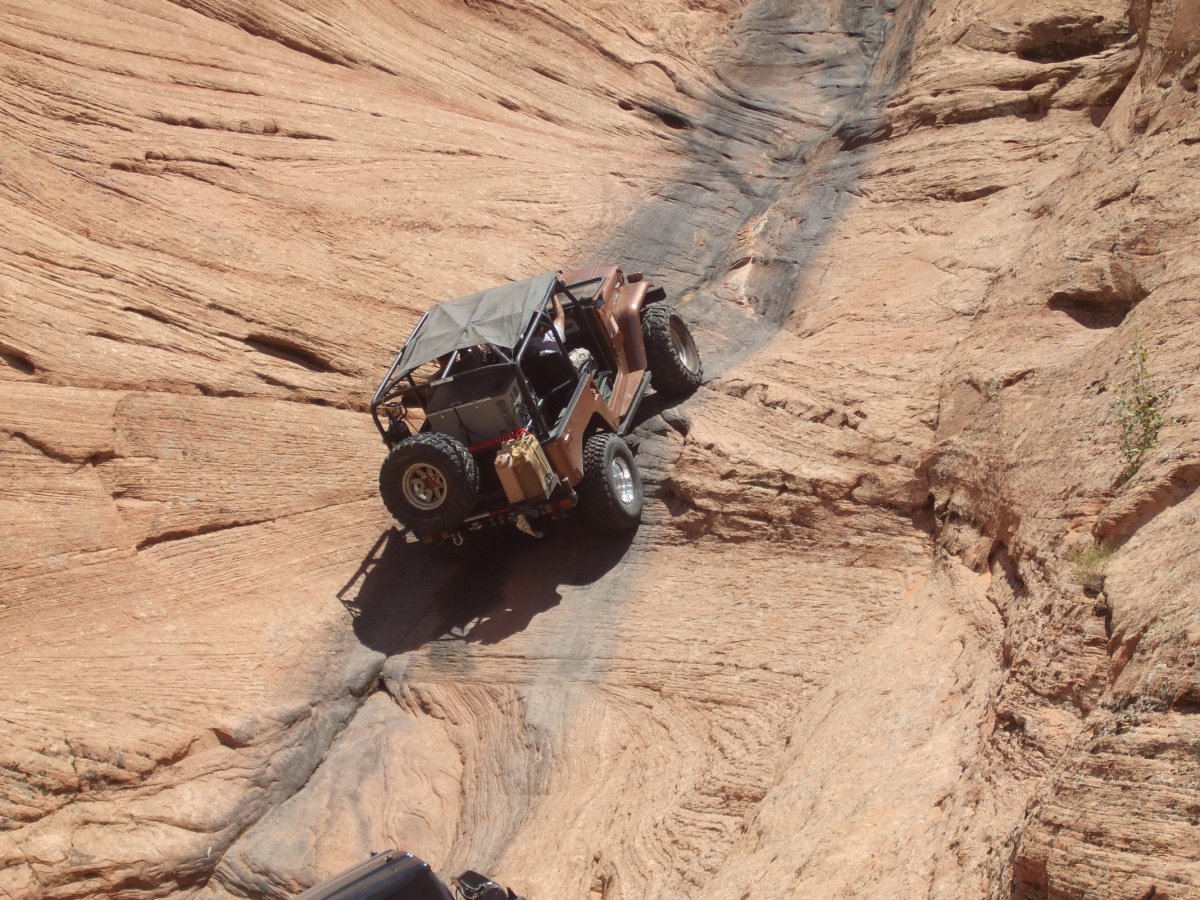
[
  {"x": 565, "y": 449},
  {"x": 617, "y": 314}
]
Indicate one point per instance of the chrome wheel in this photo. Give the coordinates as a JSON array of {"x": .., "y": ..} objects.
[
  {"x": 424, "y": 486},
  {"x": 611, "y": 490},
  {"x": 685, "y": 347},
  {"x": 622, "y": 478}
]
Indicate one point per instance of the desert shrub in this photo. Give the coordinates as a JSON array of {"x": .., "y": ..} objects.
[
  {"x": 1088, "y": 563},
  {"x": 1141, "y": 408}
]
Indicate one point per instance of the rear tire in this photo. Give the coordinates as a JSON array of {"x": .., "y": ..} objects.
[
  {"x": 675, "y": 368},
  {"x": 611, "y": 491},
  {"x": 429, "y": 482}
]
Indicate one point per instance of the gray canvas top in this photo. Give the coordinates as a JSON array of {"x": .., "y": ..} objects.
[{"x": 498, "y": 316}]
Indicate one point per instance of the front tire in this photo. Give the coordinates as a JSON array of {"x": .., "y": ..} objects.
[
  {"x": 675, "y": 368},
  {"x": 611, "y": 491},
  {"x": 429, "y": 482}
]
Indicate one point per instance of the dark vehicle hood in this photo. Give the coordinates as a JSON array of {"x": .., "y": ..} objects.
[
  {"x": 497, "y": 316},
  {"x": 385, "y": 876}
]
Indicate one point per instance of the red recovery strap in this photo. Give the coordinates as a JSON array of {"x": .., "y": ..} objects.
[{"x": 497, "y": 441}]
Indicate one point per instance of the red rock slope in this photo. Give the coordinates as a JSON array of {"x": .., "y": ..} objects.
[{"x": 855, "y": 650}]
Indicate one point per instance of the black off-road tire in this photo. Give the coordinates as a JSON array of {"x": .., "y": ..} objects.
[
  {"x": 675, "y": 367},
  {"x": 611, "y": 491},
  {"x": 429, "y": 482}
]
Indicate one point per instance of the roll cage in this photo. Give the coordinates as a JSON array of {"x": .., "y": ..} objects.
[{"x": 467, "y": 370}]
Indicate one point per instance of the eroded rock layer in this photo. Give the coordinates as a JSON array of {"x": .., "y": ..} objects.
[{"x": 903, "y": 618}]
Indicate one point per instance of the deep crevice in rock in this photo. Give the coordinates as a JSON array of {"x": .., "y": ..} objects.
[
  {"x": 43, "y": 448},
  {"x": 669, "y": 117},
  {"x": 15, "y": 359},
  {"x": 289, "y": 351},
  {"x": 1095, "y": 309},
  {"x": 1066, "y": 38},
  {"x": 180, "y": 534}
]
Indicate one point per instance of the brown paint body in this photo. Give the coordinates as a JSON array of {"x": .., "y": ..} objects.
[{"x": 619, "y": 319}]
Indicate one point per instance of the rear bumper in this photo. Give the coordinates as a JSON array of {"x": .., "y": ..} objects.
[{"x": 500, "y": 512}]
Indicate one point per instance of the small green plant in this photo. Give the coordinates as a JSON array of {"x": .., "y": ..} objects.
[
  {"x": 1088, "y": 563},
  {"x": 1141, "y": 409}
]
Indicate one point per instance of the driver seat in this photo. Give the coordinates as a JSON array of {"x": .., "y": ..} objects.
[{"x": 553, "y": 378}]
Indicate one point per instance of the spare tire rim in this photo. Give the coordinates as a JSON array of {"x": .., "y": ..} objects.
[
  {"x": 684, "y": 346},
  {"x": 425, "y": 487},
  {"x": 622, "y": 478}
]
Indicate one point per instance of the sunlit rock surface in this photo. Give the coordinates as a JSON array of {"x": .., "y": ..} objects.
[{"x": 851, "y": 650}]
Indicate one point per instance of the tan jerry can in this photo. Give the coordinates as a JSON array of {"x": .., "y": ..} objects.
[
  {"x": 524, "y": 470},
  {"x": 508, "y": 475}
]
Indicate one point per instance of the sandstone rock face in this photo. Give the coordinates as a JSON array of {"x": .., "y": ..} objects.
[{"x": 900, "y": 620}]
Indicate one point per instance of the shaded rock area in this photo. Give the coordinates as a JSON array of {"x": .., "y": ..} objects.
[{"x": 854, "y": 649}]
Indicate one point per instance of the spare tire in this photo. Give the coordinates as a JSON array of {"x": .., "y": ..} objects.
[
  {"x": 429, "y": 482},
  {"x": 675, "y": 368}
]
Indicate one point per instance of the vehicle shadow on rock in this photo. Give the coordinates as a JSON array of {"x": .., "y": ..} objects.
[{"x": 406, "y": 595}]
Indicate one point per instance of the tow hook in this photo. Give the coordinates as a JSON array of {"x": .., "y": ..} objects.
[{"x": 523, "y": 525}]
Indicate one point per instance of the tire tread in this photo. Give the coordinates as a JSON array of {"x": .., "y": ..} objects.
[
  {"x": 668, "y": 375},
  {"x": 461, "y": 473},
  {"x": 599, "y": 503}
]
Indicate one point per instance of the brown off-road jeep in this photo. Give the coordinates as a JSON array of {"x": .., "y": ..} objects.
[{"x": 510, "y": 404}]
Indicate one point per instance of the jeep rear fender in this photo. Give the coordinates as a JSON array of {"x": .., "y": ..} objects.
[{"x": 566, "y": 450}]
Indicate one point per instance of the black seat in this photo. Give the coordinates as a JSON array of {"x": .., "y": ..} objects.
[{"x": 552, "y": 378}]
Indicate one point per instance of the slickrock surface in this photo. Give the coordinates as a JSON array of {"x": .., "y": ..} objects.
[{"x": 853, "y": 650}]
